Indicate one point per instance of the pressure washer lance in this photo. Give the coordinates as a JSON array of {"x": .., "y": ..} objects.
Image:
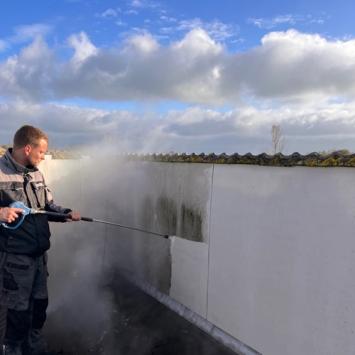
[{"x": 27, "y": 210}]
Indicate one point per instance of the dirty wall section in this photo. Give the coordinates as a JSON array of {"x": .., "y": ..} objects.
[{"x": 168, "y": 198}]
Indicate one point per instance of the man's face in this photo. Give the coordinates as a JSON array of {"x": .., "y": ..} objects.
[{"x": 35, "y": 154}]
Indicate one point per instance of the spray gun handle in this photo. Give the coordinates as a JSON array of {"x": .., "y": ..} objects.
[{"x": 25, "y": 211}]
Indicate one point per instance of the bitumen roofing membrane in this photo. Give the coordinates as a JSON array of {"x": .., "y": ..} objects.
[{"x": 140, "y": 326}]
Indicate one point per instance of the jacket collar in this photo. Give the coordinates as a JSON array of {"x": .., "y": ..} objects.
[{"x": 12, "y": 163}]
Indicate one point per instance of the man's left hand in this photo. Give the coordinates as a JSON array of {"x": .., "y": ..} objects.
[{"x": 74, "y": 216}]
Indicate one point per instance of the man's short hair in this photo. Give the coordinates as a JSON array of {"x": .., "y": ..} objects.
[{"x": 28, "y": 135}]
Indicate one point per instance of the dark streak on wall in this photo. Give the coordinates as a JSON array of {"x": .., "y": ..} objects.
[
  {"x": 155, "y": 252},
  {"x": 182, "y": 221},
  {"x": 167, "y": 215},
  {"x": 191, "y": 224}
]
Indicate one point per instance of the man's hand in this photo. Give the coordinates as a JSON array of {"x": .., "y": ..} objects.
[
  {"x": 74, "y": 216},
  {"x": 9, "y": 214}
]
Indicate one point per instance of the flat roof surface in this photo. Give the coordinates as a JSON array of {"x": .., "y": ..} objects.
[{"x": 141, "y": 326}]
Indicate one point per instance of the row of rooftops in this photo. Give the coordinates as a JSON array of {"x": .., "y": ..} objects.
[{"x": 334, "y": 159}]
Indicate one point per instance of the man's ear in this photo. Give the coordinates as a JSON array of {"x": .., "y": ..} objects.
[{"x": 27, "y": 149}]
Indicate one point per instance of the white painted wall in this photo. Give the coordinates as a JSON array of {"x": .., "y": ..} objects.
[
  {"x": 275, "y": 267},
  {"x": 282, "y": 258},
  {"x": 189, "y": 277}
]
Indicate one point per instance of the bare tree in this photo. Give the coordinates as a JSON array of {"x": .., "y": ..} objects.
[{"x": 277, "y": 139}]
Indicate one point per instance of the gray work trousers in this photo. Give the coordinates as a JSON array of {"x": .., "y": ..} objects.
[
  {"x": 25, "y": 291},
  {"x": 3, "y": 303}
]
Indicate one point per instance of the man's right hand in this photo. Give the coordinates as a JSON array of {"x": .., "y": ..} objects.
[{"x": 9, "y": 214}]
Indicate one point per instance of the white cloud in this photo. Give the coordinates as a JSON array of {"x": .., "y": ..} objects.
[
  {"x": 295, "y": 65},
  {"x": 144, "y": 43},
  {"x": 197, "y": 43},
  {"x": 143, "y": 70},
  {"x": 3, "y": 45},
  {"x": 137, "y": 3},
  {"x": 29, "y": 32},
  {"x": 216, "y": 29},
  {"x": 131, "y": 12},
  {"x": 109, "y": 13},
  {"x": 28, "y": 74},
  {"x": 286, "y": 66},
  {"x": 168, "y": 19},
  {"x": 141, "y": 4},
  {"x": 83, "y": 47},
  {"x": 25, "y": 33},
  {"x": 306, "y": 128},
  {"x": 287, "y": 19},
  {"x": 273, "y": 22},
  {"x": 120, "y": 23},
  {"x": 305, "y": 82}
]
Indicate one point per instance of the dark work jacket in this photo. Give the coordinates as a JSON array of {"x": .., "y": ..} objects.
[{"x": 26, "y": 184}]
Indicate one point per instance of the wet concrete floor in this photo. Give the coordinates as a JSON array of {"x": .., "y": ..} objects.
[{"x": 140, "y": 325}]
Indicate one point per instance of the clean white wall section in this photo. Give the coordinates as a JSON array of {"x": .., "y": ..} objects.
[
  {"x": 282, "y": 258},
  {"x": 190, "y": 274}
]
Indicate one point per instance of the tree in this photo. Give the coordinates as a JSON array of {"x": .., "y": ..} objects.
[{"x": 277, "y": 139}]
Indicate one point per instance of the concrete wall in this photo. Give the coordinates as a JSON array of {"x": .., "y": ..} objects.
[{"x": 266, "y": 254}]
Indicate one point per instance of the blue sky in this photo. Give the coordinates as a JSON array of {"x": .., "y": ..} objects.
[
  {"x": 180, "y": 75},
  {"x": 108, "y": 22}
]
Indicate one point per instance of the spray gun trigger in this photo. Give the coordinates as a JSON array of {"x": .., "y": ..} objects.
[{"x": 17, "y": 204}]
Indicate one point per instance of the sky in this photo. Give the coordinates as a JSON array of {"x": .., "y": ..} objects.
[{"x": 180, "y": 76}]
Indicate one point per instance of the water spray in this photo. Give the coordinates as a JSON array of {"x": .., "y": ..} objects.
[{"x": 27, "y": 211}]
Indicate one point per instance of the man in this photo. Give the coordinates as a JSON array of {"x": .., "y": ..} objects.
[{"x": 23, "y": 250}]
